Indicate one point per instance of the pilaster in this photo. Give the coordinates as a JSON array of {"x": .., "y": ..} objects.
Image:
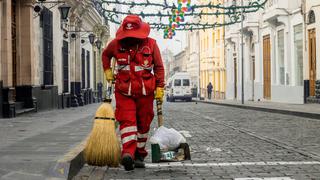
[{"x": 6, "y": 44}]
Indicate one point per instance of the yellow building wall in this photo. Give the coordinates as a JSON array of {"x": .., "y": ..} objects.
[{"x": 212, "y": 55}]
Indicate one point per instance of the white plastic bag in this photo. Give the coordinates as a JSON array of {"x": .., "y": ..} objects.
[{"x": 168, "y": 139}]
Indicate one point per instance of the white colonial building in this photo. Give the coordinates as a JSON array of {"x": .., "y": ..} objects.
[
  {"x": 273, "y": 54},
  {"x": 194, "y": 57},
  {"x": 311, "y": 50}
]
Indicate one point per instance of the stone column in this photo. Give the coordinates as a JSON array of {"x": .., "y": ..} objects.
[
  {"x": 73, "y": 51},
  {"x": 78, "y": 70},
  {"x": 1, "y": 10},
  {"x": 75, "y": 64},
  {"x": 6, "y": 44},
  {"x": 1, "y": 96},
  {"x": 25, "y": 54},
  {"x": 6, "y": 60}
]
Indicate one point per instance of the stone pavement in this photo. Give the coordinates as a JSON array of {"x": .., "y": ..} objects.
[
  {"x": 303, "y": 110},
  {"x": 31, "y": 145},
  {"x": 232, "y": 143}
]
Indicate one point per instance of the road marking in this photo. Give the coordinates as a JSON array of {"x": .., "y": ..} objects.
[
  {"x": 279, "y": 163},
  {"x": 210, "y": 149},
  {"x": 186, "y": 134},
  {"x": 267, "y": 178}
]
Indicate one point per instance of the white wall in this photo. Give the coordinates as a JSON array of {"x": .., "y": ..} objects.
[{"x": 57, "y": 50}]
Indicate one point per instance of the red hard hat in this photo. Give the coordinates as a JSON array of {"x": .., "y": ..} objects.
[{"x": 133, "y": 26}]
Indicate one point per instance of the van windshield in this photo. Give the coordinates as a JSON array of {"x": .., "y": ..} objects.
[
  {"x": 177, "y": 82},
  {"x": 186, "y": 82}
]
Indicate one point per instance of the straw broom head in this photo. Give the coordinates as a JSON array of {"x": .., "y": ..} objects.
[{"x": 103, "y": 146}]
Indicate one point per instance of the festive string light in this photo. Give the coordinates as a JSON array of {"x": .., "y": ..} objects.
[{"x": 177, "y": 13}]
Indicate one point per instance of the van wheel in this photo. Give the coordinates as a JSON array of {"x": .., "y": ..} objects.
[
  {"x": 172, "y": 99},
  {"x": 189, "y": 99}
]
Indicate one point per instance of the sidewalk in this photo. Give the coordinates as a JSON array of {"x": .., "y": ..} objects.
[
  {"x": 37, "y": 146},
  {"x": 302, "y": 110}
]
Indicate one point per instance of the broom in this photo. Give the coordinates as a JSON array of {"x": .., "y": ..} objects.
[{"x": 103, "y": 147}]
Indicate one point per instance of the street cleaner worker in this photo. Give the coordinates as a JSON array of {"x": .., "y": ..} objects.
[{"x": 139, "y": 80}]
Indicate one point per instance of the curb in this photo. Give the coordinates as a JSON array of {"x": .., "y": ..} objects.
[
  {"x": 264, "y": 109},
  {"x": 70, "y": 164}
]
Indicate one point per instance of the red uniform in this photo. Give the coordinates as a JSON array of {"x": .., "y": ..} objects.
[{"x": 140, "y": 71}]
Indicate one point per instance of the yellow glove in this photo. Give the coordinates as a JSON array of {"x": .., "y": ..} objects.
[
  {"x": 109, "y": 75},
  {"x": 159, "y": 94}
]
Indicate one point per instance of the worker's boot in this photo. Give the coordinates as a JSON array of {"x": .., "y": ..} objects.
[
  {"x": 138, "y": 163},
  {"x": 127, "y": 162}
]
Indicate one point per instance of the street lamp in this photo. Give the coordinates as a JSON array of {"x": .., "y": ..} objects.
[
  {"x": 64, "y": 11},
  {"x": 91, "y": 38},
  {"x": 98, "y": 44},
  {"x": 64, "y": 8}
]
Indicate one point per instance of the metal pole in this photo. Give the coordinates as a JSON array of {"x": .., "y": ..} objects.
[
  {"x": 242, "y": 59},
  {"x": 199, "y": 88}
]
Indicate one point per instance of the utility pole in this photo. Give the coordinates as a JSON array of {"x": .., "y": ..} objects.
[
  {"x": 199, "y": 88},
  {"x": 242, "y": 59}
]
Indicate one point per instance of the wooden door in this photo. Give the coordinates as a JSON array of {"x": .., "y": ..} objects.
[
  {"x": 235, "y": 78},
  {"x": 312, "y": 61},
  {"x": 266, "y": 67}
]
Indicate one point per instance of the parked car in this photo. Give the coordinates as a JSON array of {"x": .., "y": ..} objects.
[{"x": 179, "y": 87}]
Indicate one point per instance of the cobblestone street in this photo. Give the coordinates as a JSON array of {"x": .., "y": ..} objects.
[
  {"x": 231, "y": 143},
  {"x": 225, "y": 142}
]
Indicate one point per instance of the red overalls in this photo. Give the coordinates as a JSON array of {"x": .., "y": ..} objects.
[{"x": 140, "y": 71}]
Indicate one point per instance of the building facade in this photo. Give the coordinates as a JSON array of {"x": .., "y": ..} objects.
[
  {"x": 212, "y": 62},
  {"x": 178, "y": 64},
  {"x": 45, "y": 61},
  {"x": 167, "y": 58},
  {"x": 311, "y": 50},
  {"x": 273, "y": 54},
  {"x": 194, "y": 57},
  {"x": 233, "y": 56}
]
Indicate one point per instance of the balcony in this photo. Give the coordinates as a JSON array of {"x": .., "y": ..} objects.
[{"x": 276, "y": 8}]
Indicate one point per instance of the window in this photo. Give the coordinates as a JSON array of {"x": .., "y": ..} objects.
[
  {"x": 83, "y": 68},
  {"x": 281, "y": 56},
  {"x": 186, "y": 82},
  {"x": 177, "y": 82},
  {"x": 47, "y": 47},
  {"x": 311, "y": 17},
  {"x": 298, "y": 53},
  {"x": 88, "y": 69},
  {"x": 65, "y": 58}
]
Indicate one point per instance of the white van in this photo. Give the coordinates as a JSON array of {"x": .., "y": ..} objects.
[{"x": 179, "y": 87}]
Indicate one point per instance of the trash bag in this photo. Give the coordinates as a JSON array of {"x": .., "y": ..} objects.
[{"x": 168, "y": 139}]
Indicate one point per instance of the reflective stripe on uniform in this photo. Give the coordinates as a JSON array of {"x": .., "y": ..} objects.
[
  {"x": 141, "y": 144},
  {"x": 142, "y": 135},
  {"x": 129, "y": 138},
  {"x": 144, "y": 92},
  {"x": 129, "y": 91},
  {"x": 128, "y": 129},
  {"x": 123, "y": 67},
  {"x": 140, "y": 68}
]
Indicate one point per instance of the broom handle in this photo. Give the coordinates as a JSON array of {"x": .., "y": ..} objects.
[{"x": 159, "y": 113}]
